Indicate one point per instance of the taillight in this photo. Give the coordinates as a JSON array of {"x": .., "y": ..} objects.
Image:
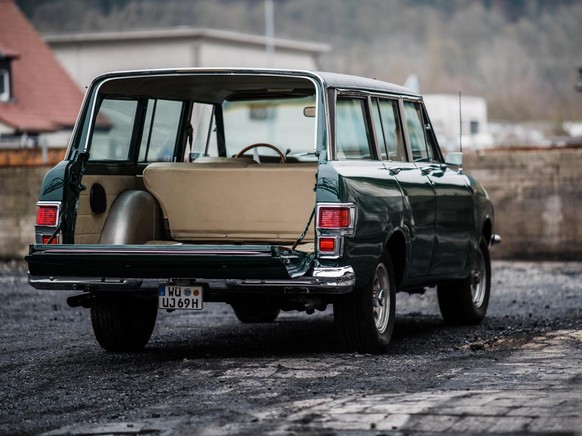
[
  {"x": 47, "y": 215},
  {"x": 334, "y": 217},
  {"x": 49, "y": 239},
  {"x": 327, "y": 245},
  {"x": 334, "y": 222}
]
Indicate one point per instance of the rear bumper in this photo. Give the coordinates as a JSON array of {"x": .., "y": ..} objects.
[
  {"x": 256, "y": 268},
  {"x": 322, "y": 280}
]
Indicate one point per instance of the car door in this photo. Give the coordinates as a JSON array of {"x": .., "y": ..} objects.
[
  {"x": 454, "y": 219},
  {"x": 417, "y": 189}
]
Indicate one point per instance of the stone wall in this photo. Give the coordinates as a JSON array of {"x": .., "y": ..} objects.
[
  {"x": 537, "y": 197},
  {"x": 19, "y": 191}
]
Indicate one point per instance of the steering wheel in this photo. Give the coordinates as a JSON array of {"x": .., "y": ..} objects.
[{"x": 262, "y": 144}]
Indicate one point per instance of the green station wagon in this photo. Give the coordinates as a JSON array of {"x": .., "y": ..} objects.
[{"x": 268, "y": 190}]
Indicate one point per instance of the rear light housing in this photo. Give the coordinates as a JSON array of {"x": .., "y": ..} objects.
[
  {"x": 47, "y": 222},
  {"x": 336, "y": 218},
  {"x": 47, "y": 215},
  {"x": 48, "y": 239},
  {"x": 333, "y": 222}
]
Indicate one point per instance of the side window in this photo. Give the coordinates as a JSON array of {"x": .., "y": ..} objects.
[
  {"x": 421, "y": 149},
  {"x": 160, "y": 131},
  {"x": 352, "y": 137},
  {"x": 433, "y": 144},
  {"x": 388, "y": 129},
  {"x": 111, "y": 137},
  {"x": 203, "y": 124}
]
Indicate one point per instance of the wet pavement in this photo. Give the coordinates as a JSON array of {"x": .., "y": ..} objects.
[{"x": 519, "y": 372}]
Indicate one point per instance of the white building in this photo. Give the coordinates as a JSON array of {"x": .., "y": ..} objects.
[
  {"x": 443, "y": 110},
  {"x": 87, "y": 55}
]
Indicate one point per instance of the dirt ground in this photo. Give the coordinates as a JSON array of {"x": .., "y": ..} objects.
[{"x": 206, "y": 373}]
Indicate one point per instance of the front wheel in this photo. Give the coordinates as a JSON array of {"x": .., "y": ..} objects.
[
  {"x": 465, "y": 301},
  {"x": 364, "y": 318},
  {"x": 124, "y": 323}
]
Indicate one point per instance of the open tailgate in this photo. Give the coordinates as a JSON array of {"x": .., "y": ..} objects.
[{"x": 168, "y": 261}]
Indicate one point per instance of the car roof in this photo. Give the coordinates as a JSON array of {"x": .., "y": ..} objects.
[
  {"x": 346, "y": 81},
  {"x": 327, "y": 79}
]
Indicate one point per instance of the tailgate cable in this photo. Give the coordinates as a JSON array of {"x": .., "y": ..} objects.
[{"x": 298, "y": 241}]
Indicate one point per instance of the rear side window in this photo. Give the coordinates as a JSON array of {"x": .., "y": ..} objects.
[
  {"x": 111, "y": 139},
  {"x": 352, "y": 137},
  {"x": 420, "y": 147},
  {"x": 118, "y": 120},
  {"x": 160, "y": 131},
  {"x": 203, "y": 140},
  {"x": 388, "y": 129}
]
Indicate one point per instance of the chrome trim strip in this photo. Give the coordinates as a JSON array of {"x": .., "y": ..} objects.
[{"x": 83, "y": 283}]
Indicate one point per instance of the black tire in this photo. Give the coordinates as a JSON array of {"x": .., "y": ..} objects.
[
  {"x": 254, "y": 310},
  {"x": 124, "y": 323},
  {"x": 465, "y": 301},
  {"x": 364, "y": 318}
]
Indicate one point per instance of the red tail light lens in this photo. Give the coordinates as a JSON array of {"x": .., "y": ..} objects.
[
  {"x": 327, "y": 245},
  {"x": 47, "y": 216},
  {"x": 334, "y": 217},
  {"x": 46, "y": 239}
]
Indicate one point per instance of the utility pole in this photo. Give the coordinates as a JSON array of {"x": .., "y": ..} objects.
[{"x": 270, "y": 31}]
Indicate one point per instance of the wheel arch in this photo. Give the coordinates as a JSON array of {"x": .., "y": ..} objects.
[
  {"x": 396, "y": 248},
  {"x": 487, "y": 230},
  {"x": 135, "y": 217}
]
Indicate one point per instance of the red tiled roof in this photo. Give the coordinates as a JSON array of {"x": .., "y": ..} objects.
[{"x": 44, "y": 97}]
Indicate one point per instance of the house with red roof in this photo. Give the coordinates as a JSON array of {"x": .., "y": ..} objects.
[{"x": 38, "y": 100}]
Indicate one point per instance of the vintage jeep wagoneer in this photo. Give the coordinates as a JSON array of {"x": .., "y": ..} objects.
[{"x": 266, "y": 189}]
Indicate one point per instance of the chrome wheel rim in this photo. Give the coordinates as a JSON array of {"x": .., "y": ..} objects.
[
  {"x": 381, "y": 298},
  {"x": 478, "y": 280}
]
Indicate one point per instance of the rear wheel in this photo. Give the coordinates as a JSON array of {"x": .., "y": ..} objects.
[
  {"x": 124, "y": 323},
  {"x": 255, "y": 310},
  {"x": 465, "y": 301},
  {"x": 364, "y": 318}
]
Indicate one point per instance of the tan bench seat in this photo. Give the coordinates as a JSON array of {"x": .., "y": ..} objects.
[{"x": 236, "y": 203}]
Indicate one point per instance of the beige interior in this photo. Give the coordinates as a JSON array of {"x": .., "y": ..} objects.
[
  {"x": 89, "y": 225},
  {"x": 242, "y": 202}
]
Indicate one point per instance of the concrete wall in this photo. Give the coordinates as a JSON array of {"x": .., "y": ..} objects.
[{"x": 537, "y": 197}]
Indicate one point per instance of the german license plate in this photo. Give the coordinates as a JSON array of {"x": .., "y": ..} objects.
[{"x": 180, "y": 297}]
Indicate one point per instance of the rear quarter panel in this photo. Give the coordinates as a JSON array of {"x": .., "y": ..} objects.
[{"x": 380, "y": 209}]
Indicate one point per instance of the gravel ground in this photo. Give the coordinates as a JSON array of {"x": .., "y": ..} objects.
[{"x": 206, "y": 373}]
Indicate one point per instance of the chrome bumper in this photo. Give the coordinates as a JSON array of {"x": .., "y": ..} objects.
[
  {"x": 329, "y": 280},
  {"x": 333, "y": 280},
  {"x": 495, "y": 239}
]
